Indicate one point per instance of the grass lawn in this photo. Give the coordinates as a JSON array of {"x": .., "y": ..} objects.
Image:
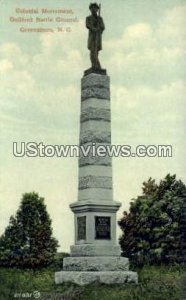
[{"x": 155, "y": 283}]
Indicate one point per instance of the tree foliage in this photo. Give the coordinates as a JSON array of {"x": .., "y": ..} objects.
[
  {"x": 28, "y": 240},
  {"x": 153, "y": 231}
]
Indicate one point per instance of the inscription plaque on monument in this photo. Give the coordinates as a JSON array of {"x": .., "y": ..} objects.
[
  {"x": 81, "y": 225},
  {"x": 102, "y": 228}
]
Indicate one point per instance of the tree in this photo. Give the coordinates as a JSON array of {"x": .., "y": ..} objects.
[
  {"x": 153, "y": 229},
  {"x": 28, "y": 240}
]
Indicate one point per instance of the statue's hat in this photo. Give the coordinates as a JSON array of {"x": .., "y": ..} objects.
[{"x": 93, "y": 4}]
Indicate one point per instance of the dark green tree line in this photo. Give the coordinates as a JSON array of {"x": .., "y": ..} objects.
[{"x": 154, "y": 228}]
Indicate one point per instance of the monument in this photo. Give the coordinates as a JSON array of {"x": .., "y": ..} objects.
[{"x": 95, "y": 256}]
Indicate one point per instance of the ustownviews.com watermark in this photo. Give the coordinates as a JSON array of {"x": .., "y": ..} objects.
[{"x": 32, "y": 149}]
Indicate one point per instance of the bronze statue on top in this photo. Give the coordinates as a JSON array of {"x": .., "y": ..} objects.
[{"x": 95, "y": 24}]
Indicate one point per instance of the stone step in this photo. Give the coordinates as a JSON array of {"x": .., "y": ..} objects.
[
  {"x": 92, "y": 250},
  {"x": 98, "y": 263},
  {"x": 107, "y": 277}
]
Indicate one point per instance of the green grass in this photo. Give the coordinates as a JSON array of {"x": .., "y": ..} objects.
[{"x": 155, "y": 283}]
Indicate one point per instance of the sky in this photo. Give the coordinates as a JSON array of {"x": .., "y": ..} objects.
[{"x": 40, "y": 73}]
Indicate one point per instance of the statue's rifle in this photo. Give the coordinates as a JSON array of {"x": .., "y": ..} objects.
[{"x": 99, "y": 10}]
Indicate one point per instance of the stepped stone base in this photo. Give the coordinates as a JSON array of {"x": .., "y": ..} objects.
[
  {"x": 84, "y": 270},
  {"x": 85, "y": 277},
  {"x": 95, "y": 264}
]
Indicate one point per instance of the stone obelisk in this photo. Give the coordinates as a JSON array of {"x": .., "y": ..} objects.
[{"x": 95, "y": 256}]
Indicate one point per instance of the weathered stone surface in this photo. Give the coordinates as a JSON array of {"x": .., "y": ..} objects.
[
  {"x": 107, "y": 277},
  {"x": 95, "y": 137},
  {"x": 96, "y": 126},
  {"x": 94, "y": 193},
  {"x": 95, "y": 92},
  {"x": 95, "y": 182},
  {"x": 92, "y": 113},
  {"x": 95, "y": 80},
  {"x": 89, "y": 154},
  {"x": 97, "y": 263},
  {"x": 95, "y": 171},
  {"x": 95, "y": 103},
  {"x": 95, "y": 86},
  {"x": 95, "y": 250},
  {"x": 90, "y": 160}
]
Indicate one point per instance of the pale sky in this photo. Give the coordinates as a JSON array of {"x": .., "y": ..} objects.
[{"x": 40, "y": 74}]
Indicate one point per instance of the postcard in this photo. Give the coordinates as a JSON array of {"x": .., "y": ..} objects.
[{"x": 92, "y": 149}]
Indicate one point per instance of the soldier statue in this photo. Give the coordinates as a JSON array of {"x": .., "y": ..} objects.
[{"x": 95, "y": 24}]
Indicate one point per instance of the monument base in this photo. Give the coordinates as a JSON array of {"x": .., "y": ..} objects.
[
  {"x": 96, "y": 263},
  {"x": 85, "y": 270},
  {"x": 87, "y": 277}
]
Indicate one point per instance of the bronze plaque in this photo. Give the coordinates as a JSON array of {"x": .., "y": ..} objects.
[
  {"x": 102, "y": 227},
  {"x": 81, "y": 226}
]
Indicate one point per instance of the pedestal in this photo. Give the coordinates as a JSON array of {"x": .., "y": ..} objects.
[{"x": 95, "y": 254}]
